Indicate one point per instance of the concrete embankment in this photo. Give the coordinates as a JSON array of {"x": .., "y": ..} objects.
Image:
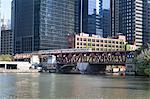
[{"x": 18, "y": 71}]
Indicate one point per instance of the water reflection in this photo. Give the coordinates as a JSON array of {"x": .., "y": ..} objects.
[
  {"x": 27, "y": 86},
  {"x": 56, "y": 86}
]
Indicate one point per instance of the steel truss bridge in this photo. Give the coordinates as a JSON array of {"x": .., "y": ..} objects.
[{"x": 109, "y": 58}]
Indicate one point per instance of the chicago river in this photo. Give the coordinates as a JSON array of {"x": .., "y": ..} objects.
[{"x": 61, "y": 86}]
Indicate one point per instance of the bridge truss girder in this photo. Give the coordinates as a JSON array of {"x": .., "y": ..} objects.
[{"x": 92, "y": 58}]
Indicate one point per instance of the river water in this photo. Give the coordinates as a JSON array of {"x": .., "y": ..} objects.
[{"x": 60, "y": 86}]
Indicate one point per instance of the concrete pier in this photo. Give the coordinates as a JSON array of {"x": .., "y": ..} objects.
[{"x": 16, "y": 67}]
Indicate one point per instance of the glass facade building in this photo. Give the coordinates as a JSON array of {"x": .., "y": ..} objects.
[
  {"x": 131, "y": 17},
  {"x": 146, "y": 22},
  {"x": 94, "y": 5},
  {"x": 90, "y": 13},
  {"x": 114, "y": 5},
  {"x": 106, "y": 23},
  {"x": 42, "y": 24}
]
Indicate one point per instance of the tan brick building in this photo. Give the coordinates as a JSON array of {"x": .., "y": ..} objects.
[{"x": 96, "y": 42}]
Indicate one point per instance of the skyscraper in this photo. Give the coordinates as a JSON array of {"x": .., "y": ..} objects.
[
  {"x": 106, "y": 23},
  {"x": 131, "y": 17},
  {"x": 0, "y": 25},
  {"x": 89, "y": 13},
  {"x": 114, "y": 9},
  {"x": 6, "y": 42},
  {"x": 42, "y": 24},
  {"x": 146, "y": 22}
]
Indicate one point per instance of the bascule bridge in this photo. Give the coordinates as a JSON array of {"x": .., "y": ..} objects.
[{"x": 66, "y": 58}]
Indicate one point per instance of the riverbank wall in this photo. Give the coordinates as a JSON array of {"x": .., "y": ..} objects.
[{"x": 18, "y": 71}]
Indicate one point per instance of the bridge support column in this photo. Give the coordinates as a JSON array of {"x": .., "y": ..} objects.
[
  {"x": 82, "y": 67},
  {"x": 5, "y": 66}
]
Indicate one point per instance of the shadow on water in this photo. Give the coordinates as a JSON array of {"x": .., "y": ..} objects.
[
  {"x": 132, "y": 82},
  {"x": 127, "y": 88}
]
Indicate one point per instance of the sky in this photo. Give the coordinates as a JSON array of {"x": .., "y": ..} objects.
[
  {"x": 106, "y": 4},
  {"x": 6, "y": 8}
]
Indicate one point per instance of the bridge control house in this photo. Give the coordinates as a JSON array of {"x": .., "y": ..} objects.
[{"x": 96, "y": 42}]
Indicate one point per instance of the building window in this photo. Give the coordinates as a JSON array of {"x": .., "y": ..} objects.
[
  {"x": 89, "y": 44},
  {"x": 93, "y": 44},
  {"x": 89, "y": 40},
  {"x": 93, "y": 49}
]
